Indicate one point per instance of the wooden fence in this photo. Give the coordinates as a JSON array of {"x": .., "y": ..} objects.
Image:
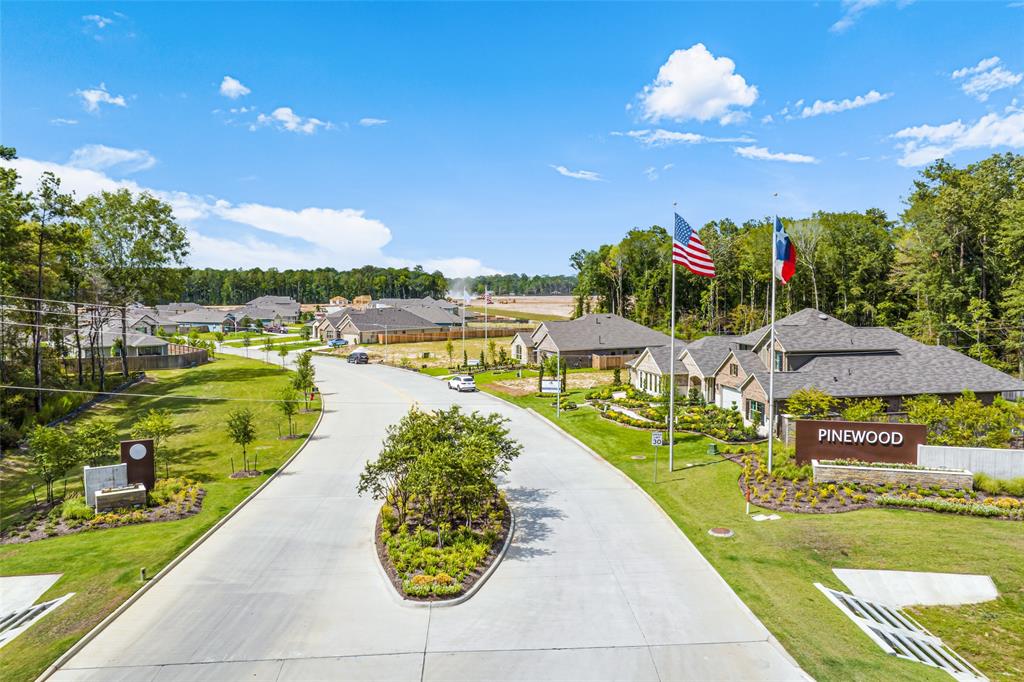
[
  {"x": 610, "y": 361},
  {"x": 453, "y": 334},
  {"x": 178, "y": 357}
]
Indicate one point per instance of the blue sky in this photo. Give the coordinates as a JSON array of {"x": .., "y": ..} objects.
[{"x": 500, "y": 137}]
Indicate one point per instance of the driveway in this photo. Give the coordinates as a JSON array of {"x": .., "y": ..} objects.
[{"x": 597, "y": 585}]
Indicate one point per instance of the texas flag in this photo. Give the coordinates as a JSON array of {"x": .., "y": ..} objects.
[{"x": 785, "y": 253}]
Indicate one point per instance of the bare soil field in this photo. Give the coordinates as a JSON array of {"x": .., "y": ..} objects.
[
  {"x": 580, "y": 380},
  {"x": 561, "y": 306}
]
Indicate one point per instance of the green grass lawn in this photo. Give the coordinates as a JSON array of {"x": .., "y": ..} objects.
[
  {"x": 772, "y": 565},
  {"x": 102, "y": 566},
  {"x": 258, "y": 341},
  {"x": 519, "y": 314}
]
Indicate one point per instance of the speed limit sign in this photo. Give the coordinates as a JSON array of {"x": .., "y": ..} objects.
[{"x": 656, "y": 438}]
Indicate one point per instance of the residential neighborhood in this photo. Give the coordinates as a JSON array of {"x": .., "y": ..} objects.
[{"x": 518, "y": 342}]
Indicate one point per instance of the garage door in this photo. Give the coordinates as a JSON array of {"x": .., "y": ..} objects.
[{"x": 728, "y": 397}]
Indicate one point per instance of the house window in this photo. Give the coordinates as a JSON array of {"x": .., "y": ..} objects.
[
  {"x": 519, "y": 352},
  {"x": 755, "y": 411},
  {"x": 734, "y": 369},
  {"x": 778, "y": 361}
]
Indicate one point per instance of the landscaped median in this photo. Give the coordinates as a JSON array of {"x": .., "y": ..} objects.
[
  {"x": 100, "y": 562},
  {"x": 444, "y": 521},
  {"x": 773, "y": 565}
]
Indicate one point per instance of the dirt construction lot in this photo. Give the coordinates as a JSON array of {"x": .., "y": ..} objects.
[
  {"x": 438, "y": 354},
  {"x": 576, "y": 380},
  {"x": 561, "y": 306}
]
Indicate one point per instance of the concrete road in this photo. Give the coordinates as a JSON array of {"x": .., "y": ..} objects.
[{"x": 597, "y": 585}]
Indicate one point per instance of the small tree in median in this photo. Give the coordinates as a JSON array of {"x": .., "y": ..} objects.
[
  {"x": 268, "y": 346},
  {"x": 246, "y": 342},
  {"x": 158, "y": 425},
  {"x": 242, "y": 430},
  {"x": 289, "y": 405},
  {"x": 305, "y": 332},
  {"x": 52, "y": 455},
  {"x": 283, "y": 353},
  {"x": 219, "y": 336},
  {"x": 305, "y": 376},
  {"x": 450, "y": 348}
]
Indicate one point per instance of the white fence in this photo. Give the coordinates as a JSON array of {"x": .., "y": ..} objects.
[{"x": 996, "y": 462}]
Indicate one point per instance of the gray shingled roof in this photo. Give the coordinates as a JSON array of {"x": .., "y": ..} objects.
[
  {"x": 525, "y": 337},
  {"x": 709, "y": 352},
  {"x": 433, "y": 314},
  {"x": 750, "y": 363},
  {"x": 201, "y": 316},
  {"x": 602, "y": 331},
  {"x": 913, "y": 370},
  {"x": 662, "y": 356},
  {"x": 135, "y": 339},
  {"x": 375, "y": 319}
]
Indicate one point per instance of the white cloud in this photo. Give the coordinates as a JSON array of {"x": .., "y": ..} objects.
[
  {"x": 834, "y": 106},
  {"x": 284, "y": 118},
  {"x": 986, "y": 77},
  {"x": 925, "y": 143},
  {"x": 94, "y": 97},
  {"x": 579, "y": 175},
  {"x": 269, "y": 236},
  {"x": 651, "y": 172},
  {"x": 63, "y": 121},
  {"x": 233, "y": 88},
  {"x": 694, "y": 84},
  {"x": 370, "y": 122},
  {"x": 852, "y": 9},
  {"x": 452, "y": 268},
  {"x": 766, "y": 119},
  {"x": 101, "y": 157},
  {"x": 661, "y": 138},
  {"x": 668, "y": 166},
  {"x": 762, "y": 154},
  {"x": 99, "y": 21}
]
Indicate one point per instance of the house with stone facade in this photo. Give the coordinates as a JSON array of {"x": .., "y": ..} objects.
[
  {"x": 816, "y": 350},
  {"x": 597, "y": 334}
]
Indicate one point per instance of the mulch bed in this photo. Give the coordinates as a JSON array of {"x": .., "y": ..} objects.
[
  {"x": 35, "y": 528},
  {"x": 470, "y": 580},
  {"x": 247, "y": 473},
  {"x": 835, "y": 503}
]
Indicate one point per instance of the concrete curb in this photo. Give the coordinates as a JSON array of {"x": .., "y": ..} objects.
[
  {"x": 771, "y": 638},
  {"x": 111, "y": 617},
  {"x": 417, "y": 604}
]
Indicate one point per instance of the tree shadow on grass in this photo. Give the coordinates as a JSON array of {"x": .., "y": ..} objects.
[{"x": 532, "y": 517}]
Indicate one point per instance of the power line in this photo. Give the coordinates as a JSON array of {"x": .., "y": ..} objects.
[
  {"x": 149, "y": 395},
  {"x": 57, "y": 300}
]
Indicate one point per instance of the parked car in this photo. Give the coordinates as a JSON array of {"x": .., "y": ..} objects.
[
  {"x": 462, "y": 382},
  {"x": 358, "y": 357},
  {"x": 337, "y": 343}
]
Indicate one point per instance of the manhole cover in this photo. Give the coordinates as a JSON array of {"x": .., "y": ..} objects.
[
  {"x": 720, "y": 533},
  {"x": 638, "y": 457}
]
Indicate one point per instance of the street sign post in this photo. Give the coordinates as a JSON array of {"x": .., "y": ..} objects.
[{"x": 656, "y": 442}]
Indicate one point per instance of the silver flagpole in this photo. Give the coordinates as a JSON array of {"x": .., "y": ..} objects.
[
  {"x": 771, "y": 360},
  {"x": 672, "y": 366}
]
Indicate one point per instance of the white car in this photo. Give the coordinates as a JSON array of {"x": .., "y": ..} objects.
[{"x": 462, "y": 382}]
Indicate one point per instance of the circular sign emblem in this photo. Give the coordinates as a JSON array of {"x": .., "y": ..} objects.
[{"x": 137, "y": 451}]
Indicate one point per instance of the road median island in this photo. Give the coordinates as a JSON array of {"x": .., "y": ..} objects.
[{"x": 444, "y": 524}]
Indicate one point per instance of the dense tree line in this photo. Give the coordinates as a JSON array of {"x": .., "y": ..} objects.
[
  {"x": 949, "y": 270},
  {"x": 211, "y": 286},
  {"x": 522, "y": 284}
]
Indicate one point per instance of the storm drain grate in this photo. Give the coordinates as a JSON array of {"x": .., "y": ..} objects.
[
  {"x": 900, "y": 635},
  {"x": 16, "y": 622}
]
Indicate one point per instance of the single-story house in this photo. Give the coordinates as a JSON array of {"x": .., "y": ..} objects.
[
  {"x": 649, "y": 370},
  {"x": 816, "y": 350},
  {"x": 326, "y": 328},
  {"x": 338, "y": 300},
  {"x": 285, "y": 306},
  {"x": 138, "y": 344},
  {"x": 208, "y": 318},
  {"x": 373, "y": 325},
  {"x": 250, "y": 315},
  {"x": 577, "y": 341},
  {"x": 522, "y": 349},
  {"x": 408, "y": 303}
]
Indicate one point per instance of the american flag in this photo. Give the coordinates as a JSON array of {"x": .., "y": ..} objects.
[{"x": 689, "y": 251}]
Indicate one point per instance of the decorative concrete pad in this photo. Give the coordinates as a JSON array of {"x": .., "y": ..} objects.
[
  {"x": 21, "y": 591},
  {"x": 905, "y": 588},
  {"x": 766, "y": 517}
]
